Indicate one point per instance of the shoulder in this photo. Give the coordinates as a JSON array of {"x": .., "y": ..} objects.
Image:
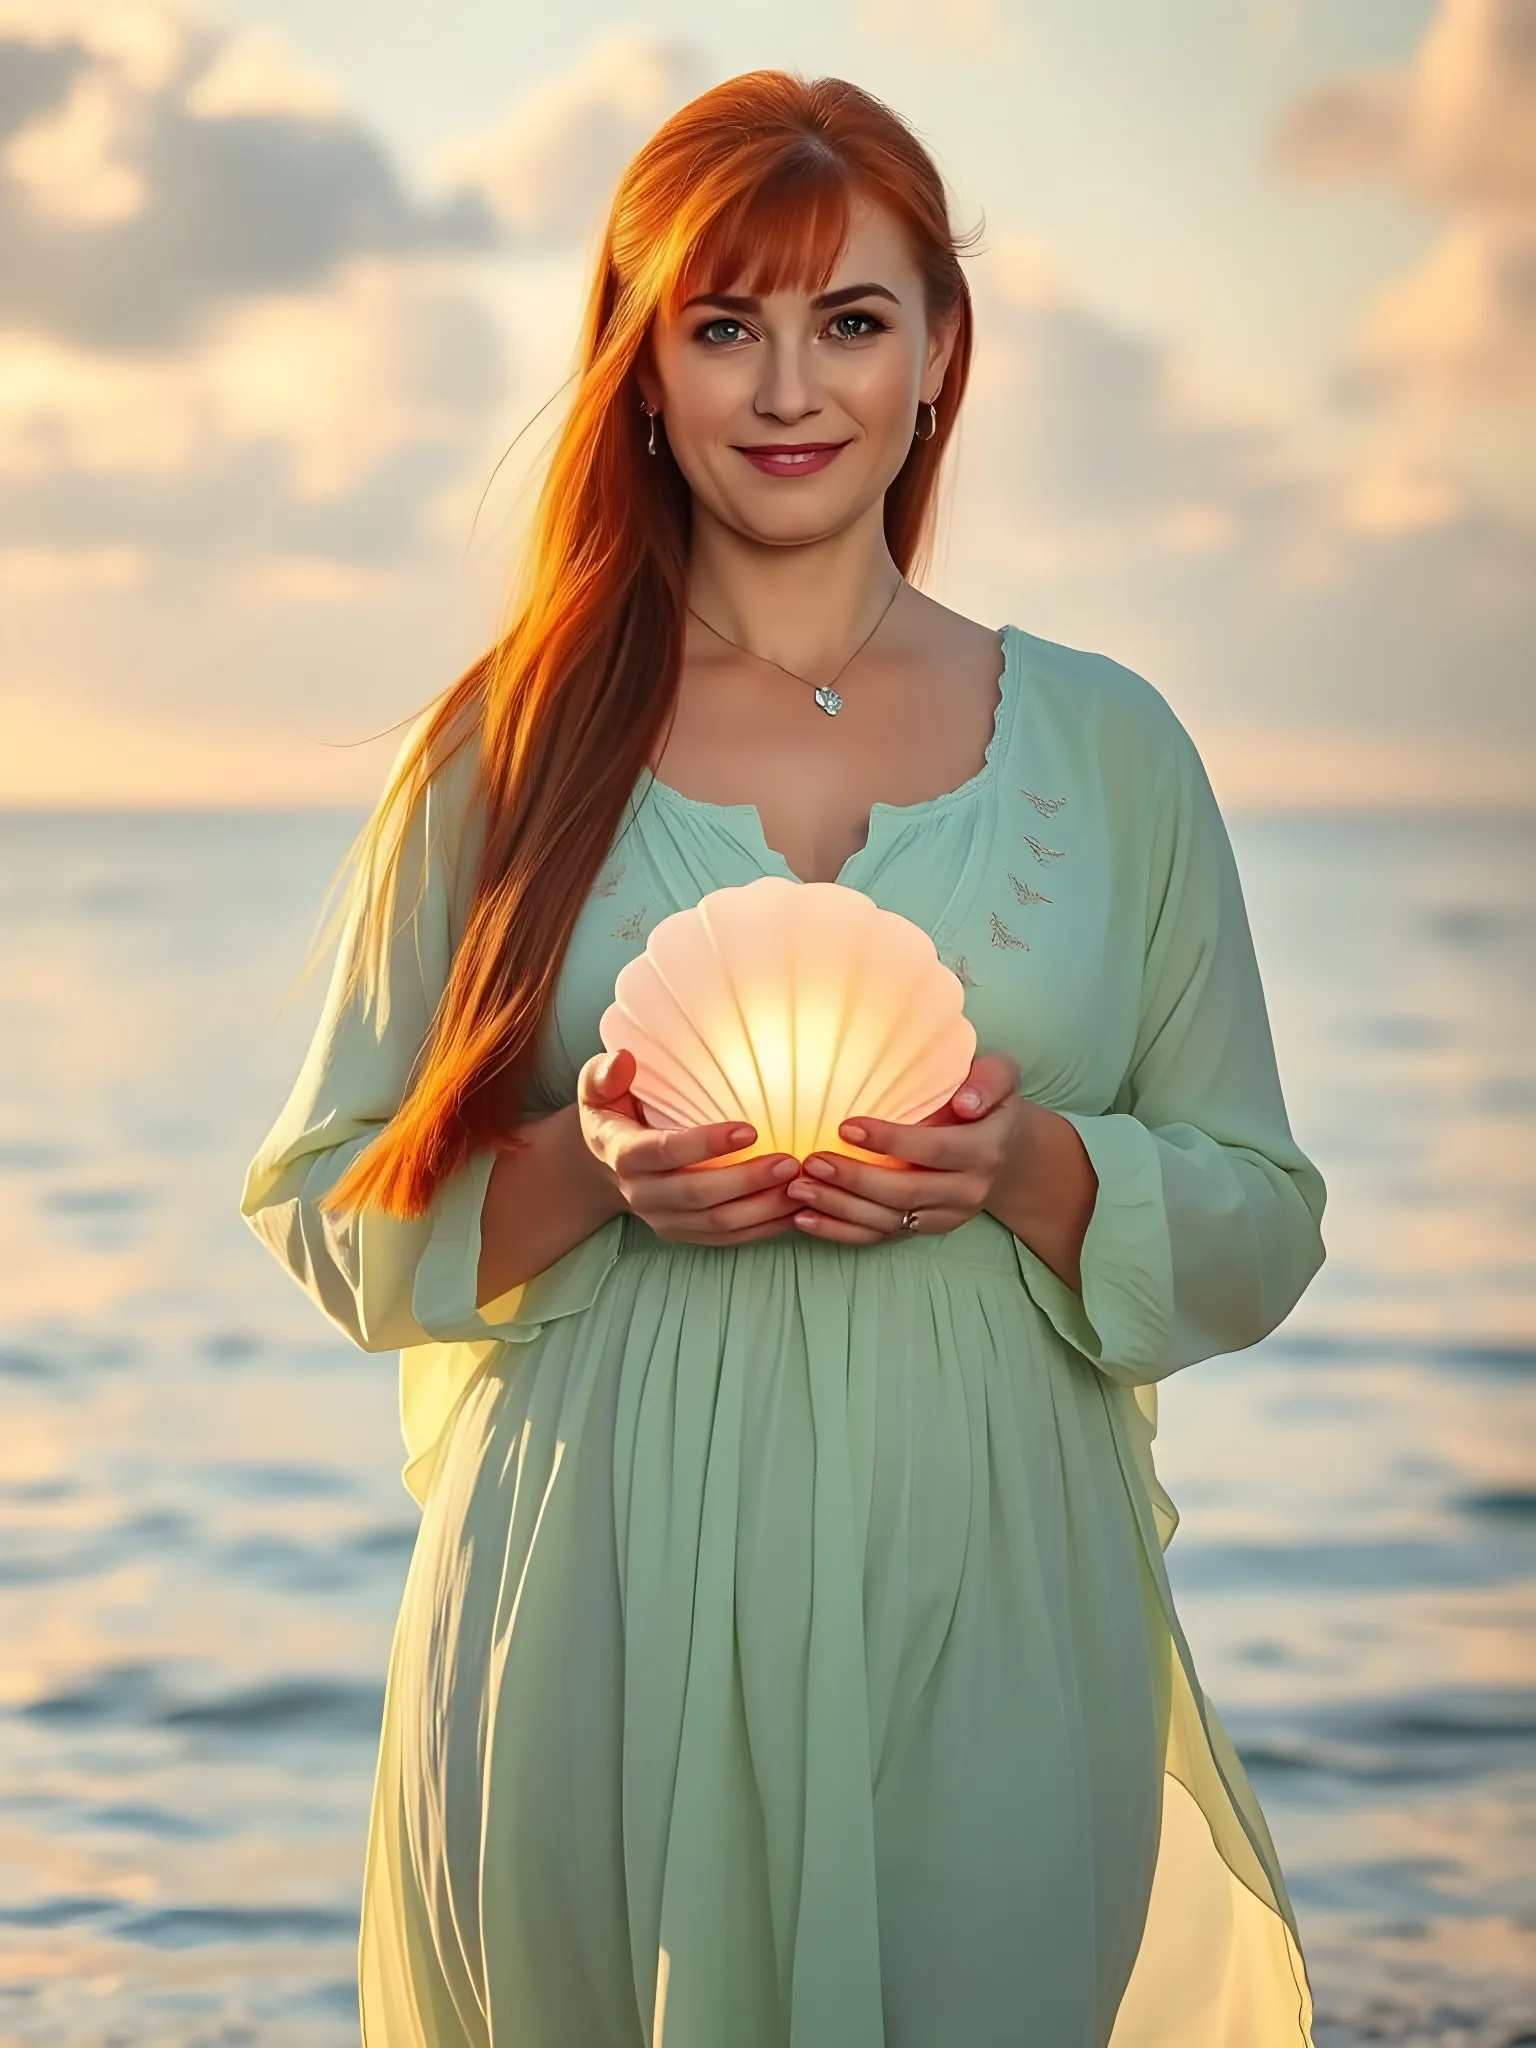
[
  {"x": 1119, "y": 740},
  {"x": 1108, "y": 706},
  {"x": 1116, "y": 732},
  {"x": 446, "y": 799},
  {"x": 424, "y": 839}
]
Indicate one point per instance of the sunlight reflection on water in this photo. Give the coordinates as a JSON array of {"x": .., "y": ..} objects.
[{"x": 205, "y": 1535}]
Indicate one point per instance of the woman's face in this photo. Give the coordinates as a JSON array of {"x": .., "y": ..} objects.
[{"x": 843, "y": 370}]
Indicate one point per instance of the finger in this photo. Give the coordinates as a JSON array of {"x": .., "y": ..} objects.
[
  {"x": 649, "y": 1150},
  {"x": 606, "y": 1107},
  {"x": 810, "y": 1223},
  {"x": 847, "y": 1206},
  {"x": 874, "y": 1196},
  {"x": 842, "y": 1215},
  {"x": 888, "y": 1188},
  {"x": 673, "y": 1213},
  {"x": 713, "y": 1188},
  {"x": 617, "y": 1071},
  {"x": 727, "y": 1222},
  {"x": 779, "y": 1226},
  {"x": 948, "y": 1147},
  {"x": 993, "y": 1077},
  {"x": 605, "y": 1079},
  {"x": 850, "y": 1219},
  {"x": 601, "y": 1072}
]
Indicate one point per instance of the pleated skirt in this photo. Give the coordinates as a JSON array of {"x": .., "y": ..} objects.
[{"x": 780, "y": 1665}]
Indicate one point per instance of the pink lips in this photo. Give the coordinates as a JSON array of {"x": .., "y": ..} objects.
[{"x": 788, "y": 458}]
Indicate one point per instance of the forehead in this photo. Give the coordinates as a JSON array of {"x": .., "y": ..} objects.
[
  {"x": 876, "y": 242},
  {"x": 873, "y": 250}
]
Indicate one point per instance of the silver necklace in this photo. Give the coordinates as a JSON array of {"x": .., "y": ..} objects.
[{"x": 826, "y": 696}]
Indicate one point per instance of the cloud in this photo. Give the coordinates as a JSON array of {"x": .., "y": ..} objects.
[
  {"x": 549, "y": 167},
  {"x": 964, "y": 29},
  {"x": 230, "y": 541},
  {"x": 33, "y": 81},
  {"x": 144, "y": 39},
  {"x": 1096, "y": 441},
  {"x": 1113, "y": 509},
  {"x": 1099, "y": 503},
  {"x": 303, "y": 424},
  {"x": 32, "y": 570},
  {"x": 227, "y": 332},
  {"x": 226, "y": 329},
  {"x": 154, "y": 175},
  {"x": 1275, "y": 23},
  {"x": 1459, "y": 328},
  {"x": 258, "y": 72},
  {"x": 1454, "y": 130}
]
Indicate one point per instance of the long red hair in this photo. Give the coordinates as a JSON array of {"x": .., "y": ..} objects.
[{"x": 749, "y": 185}]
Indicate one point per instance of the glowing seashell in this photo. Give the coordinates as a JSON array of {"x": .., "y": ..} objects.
[{"x": 790, "y": 1006}]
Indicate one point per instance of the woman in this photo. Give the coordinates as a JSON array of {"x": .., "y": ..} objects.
[{"x": 787, "y": 1658}]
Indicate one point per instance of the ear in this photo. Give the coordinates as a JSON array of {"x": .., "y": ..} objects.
[
  {"x": 941, "y": 346},
  {"x": 643, "y": 370}
]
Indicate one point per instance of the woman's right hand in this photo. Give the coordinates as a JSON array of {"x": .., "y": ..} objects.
[{"x": 658, "y": 1172}]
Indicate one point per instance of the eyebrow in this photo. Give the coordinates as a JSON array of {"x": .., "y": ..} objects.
[{"x": 822, "y": 304}]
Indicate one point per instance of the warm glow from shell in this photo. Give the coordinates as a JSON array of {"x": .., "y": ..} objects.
[{"x": 790, "y": 1006}]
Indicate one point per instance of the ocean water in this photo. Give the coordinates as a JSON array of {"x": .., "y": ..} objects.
[{"x": 203, "y": 1534}]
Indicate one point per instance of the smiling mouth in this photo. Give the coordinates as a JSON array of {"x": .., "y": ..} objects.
[
  {"x": 791, "y": 458},
  {"x": 789, "y": 451}
]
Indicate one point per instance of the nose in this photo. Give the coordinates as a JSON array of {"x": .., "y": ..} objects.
[{"x": 788, "y": 386}]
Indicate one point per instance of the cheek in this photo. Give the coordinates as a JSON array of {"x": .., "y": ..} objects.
[
  {"x": 698, "y": 423},
  {"x": 702, "y": 416},
  {"x": 708, "y": 398},
  {"x": 877, "y": 388},
  {"x": 697, "y": 390}
]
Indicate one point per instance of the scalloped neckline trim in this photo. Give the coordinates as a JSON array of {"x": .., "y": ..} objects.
[{"x": 973, "y": 785}]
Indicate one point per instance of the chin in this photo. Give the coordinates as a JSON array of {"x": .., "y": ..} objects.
[{"x": 786, "y": 533}]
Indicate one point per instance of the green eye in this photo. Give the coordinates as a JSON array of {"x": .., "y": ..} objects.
[
  {"x": 868, "y": 318},
  {"x": 872, "y": 324}
]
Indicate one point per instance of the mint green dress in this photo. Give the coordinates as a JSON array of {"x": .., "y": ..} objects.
[{"x": 787, "y": 1657}]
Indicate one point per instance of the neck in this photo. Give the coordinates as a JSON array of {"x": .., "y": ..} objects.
[{"x": 805, "y": 606}]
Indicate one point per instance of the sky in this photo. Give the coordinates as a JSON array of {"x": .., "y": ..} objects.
[{"x": 1253, "y": 408}]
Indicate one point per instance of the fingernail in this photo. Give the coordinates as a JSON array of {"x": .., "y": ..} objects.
[
  {"x": 741, "y": 1134},
  {"x": 968, "y": 1099},
  {"x": 854, "y": 1133},
  {"x": 784, "y": 1169}
]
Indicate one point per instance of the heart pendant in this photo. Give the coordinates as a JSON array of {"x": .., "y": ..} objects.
[{"x": 829, "y": 700}]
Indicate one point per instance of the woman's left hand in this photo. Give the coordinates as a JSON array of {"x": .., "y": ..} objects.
[{"x": 950, "y": 1162}]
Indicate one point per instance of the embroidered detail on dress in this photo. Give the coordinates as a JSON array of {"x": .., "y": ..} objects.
[
  {"x": 1047, "y": 806},
  {"x": 606, "y": 888},
  {"x": 961, "y": 971},
  {"x": 1023, "y": 891},
  {"x": 1044, "y": 854},
  {"x": 629, "y": 927},
  {"x": 1001, "y": 936}
]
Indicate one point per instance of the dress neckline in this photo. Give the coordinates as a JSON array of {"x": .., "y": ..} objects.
[{"x": 748, "y": 818}]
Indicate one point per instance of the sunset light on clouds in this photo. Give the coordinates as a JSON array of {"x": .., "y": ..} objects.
[
  {"x": 1251, "y": 409},
  {"x": 291, "y": 294}
]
